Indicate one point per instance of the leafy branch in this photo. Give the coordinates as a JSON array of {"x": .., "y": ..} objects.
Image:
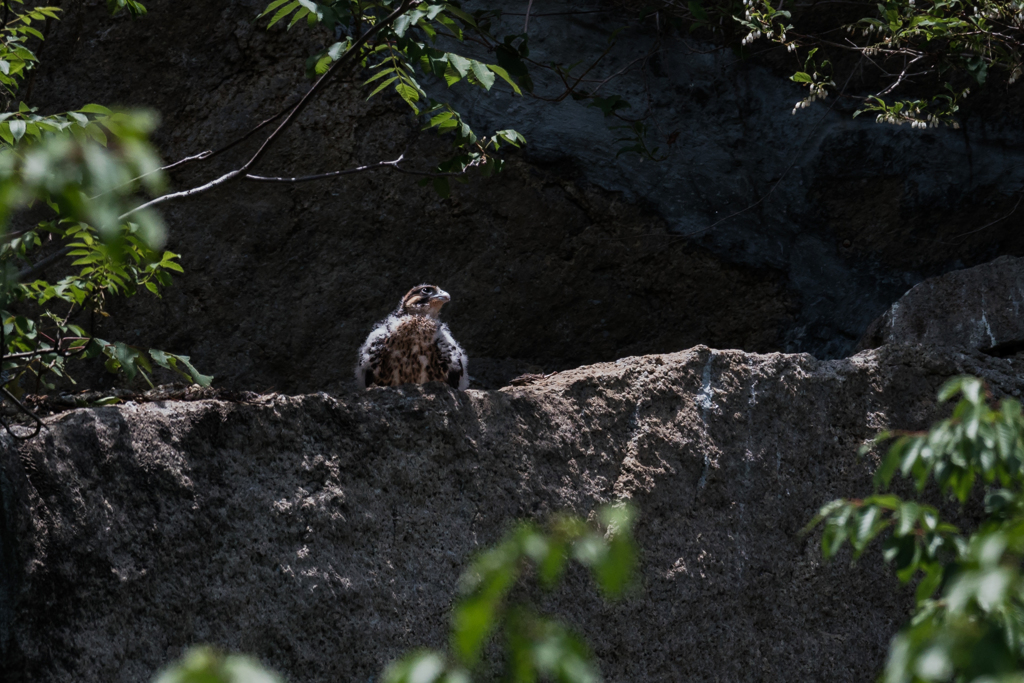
[
  {"x": 913, "y": 44},
  {"x": 970, "y": 598},
  {"x": 88, "y": 167}
]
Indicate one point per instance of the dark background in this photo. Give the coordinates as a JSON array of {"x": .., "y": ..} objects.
[{"x": 573, "y": 255}]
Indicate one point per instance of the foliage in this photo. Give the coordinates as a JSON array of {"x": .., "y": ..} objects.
[
  {"x": 537, "y": 646},
  {"x": 407, "y": 49},
  {"x": 85, "y": 168},
  {"x": 15, "y": 56},
  {"x": 83, "y": 164},
  {"x": 82, "y": 167},
  {"x": 969, "y": 621},
  {"x": 925, "y": 55},
  {"x": 941, "y": 46},
  {"x": 204, "y": 664}
]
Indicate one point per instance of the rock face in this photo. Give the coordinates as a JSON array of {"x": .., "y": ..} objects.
[
  {"x": 324, "y": 533},
  {"x": 976, "y": 307},
  {"x": 574, "y": 255}
]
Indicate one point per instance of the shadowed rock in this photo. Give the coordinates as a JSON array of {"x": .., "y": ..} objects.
[
  {"x": 978, "y": 307},
  {"x": 325, "y": 533}
]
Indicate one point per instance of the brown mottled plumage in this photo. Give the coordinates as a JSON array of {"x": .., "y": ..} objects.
[{"x": 411, "y": 346}]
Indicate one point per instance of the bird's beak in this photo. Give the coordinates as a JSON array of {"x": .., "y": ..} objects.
[{"x": 441, "y": 296}]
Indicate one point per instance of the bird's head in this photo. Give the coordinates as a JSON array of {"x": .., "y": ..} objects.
[{"x": 424, "y": 300}]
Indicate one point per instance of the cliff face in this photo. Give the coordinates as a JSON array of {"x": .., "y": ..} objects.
[
  {"x": 324, "y": 533},
  {"x": 574, "y": 255}
]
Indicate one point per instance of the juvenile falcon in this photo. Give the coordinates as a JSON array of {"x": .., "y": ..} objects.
[{"x": 411, "y": 346}]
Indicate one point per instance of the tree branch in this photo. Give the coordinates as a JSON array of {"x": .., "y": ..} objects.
[
  {"x": 332, "y": 174},
  {"x": 344, "y": 60},
  {"x": 230, "y": 175},
  {"x": 352, "y": 53},
  {"x": 39, "y": 423},
  {"x": 388, "y": 165},
  {"x": 998, "y": 220},
  {"x": 30, "y": 271}
]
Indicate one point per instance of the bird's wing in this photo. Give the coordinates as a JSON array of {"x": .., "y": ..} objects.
[
  {"x": 371, "y": 354},
  {"x": 454, "y": 358}
]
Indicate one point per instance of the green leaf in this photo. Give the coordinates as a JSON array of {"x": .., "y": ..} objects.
[
  {"x": 283, "y": 12},
  {"x": 440, "y": 118},
  {"x": 96, "y": 109},
  {"x": 125, "y": 357},
  {"x": 472, "y": 624},
  {"x": 197, "y": 377},
  {"x": 300, "y": 14},
  {"x": 409, "y": 94},
  {"x": 456, "y": 11},
  {"x": 424, "y": 666},
  {"x": 460, "y": 64},
  {"x": 96, "y": 133},
  {"x": 17, "y": 128},
  {"x": 485, "y": 77},
  {"x": 379, "y": 75},
  {"x": 335, "y": 51},
  {"x": 930, "y": 582},
  {"x": 382, "y": 86},
  {"x": 616, "y": 569},
  {"x": 401, "y": 24},
  {"x": 272, "y": 6},
  {"x": 451, "y": 75},
  {"x": 908, "y": 513},
  {"x": 505, "y": 77}
]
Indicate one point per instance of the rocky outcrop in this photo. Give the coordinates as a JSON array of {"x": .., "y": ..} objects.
[
  {"x": 976, "y": 308},
  {"x": 324, "y": 533}
]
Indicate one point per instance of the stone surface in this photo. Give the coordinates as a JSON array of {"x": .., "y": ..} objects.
[
  {"x": 976, "y": 307},
  {"x": 324, "y": 533},
  {"x": 574, "y": 256}
]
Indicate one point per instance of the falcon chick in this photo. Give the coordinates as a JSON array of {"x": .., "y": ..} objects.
[{"x": 411, "y": 346}]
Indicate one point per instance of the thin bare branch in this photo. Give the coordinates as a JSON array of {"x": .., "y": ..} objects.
[
  {"x": 352, "y": 53},
  {"x": 227, "y": 177},
  {"x": 321, "y": 176},
  {"x": 39, "y": 423},
  {"x": 67, "y": 353},
  {"x": 38, "y": 266},
  {"x": 392, "y": 165},
  {"x": 260, "y": 126},
  {"x": 998, "y": 220},
  {"x": 181, "y": 162},
  {"x": 899, "y": 79},
  {"x": 209, "y": 154}
]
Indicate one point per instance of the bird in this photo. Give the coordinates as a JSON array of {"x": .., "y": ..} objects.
[{"x": 412, "y": 346}]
